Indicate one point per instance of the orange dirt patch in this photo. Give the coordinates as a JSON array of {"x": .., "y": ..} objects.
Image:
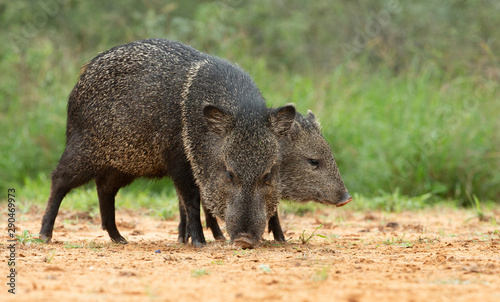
[{"x": 430, "y": 255}]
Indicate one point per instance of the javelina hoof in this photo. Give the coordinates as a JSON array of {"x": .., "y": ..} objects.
[
  {"x": 46, "y": 239},
  {"x": 346, "y": 198},
  {"x": 244, "y": 242},
  {"x": 185, "y": 240},
  {"x": 119, "y": 240},
  {"x": 220, "y": 238},
  {"x": 181, "y": 239},
  {"x": 198, "y": 244}
]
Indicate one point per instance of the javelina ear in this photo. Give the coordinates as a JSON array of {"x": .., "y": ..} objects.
[
  {"x": 295, "y": 130},
  {"x": 312, "y": 119},
  {"x": 310, "y": 116},
  {"x": 218, "y": 121},
  {"x": 282, "y": 119}
]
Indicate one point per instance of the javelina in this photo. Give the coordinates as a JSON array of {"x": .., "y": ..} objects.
[
  {"x": 156, "y": 108},
  {"x": 308, "y": 172}
]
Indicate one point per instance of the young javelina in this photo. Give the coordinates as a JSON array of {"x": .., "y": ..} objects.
[
  {"x": 308, "y": 172},
  {"x": 157, "y": 108}
]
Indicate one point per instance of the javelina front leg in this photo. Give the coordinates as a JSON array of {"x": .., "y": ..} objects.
[
  {"x": 189, "y": 208},
  {"x": 213, "y": 225},
  {"x": 108, "y": 184},
  {"x": 210, "y": 219},
  {"x": 274, "y": 226}
]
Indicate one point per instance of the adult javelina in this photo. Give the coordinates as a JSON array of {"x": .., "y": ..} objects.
[
  {"x": 308, "y": 172},
  {"x": 158, "y": 108}
]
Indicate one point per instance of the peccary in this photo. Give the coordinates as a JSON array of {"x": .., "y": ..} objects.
[
  {"x": 308, "y": 172},
  {"x": 157, "y": 108}
]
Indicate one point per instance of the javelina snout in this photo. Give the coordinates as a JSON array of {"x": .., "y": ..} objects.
[
  {"x": 246, "y": 218},
  {"x": 246, "y": 241},
  {"x": 346, "y": 198}
]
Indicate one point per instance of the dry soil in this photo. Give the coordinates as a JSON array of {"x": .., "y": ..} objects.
[{"x": 429, "y": 255}]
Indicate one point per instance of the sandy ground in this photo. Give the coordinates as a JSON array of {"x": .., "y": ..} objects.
[{"x": 430, "y": 255}]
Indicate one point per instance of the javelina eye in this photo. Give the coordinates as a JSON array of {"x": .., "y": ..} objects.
[
  {"x": 267, "y": 179},
  {"x": 229, "y": 176},
  {"x": 314, "y": 162}
]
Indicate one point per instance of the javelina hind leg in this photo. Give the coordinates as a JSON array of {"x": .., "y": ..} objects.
[
  {"x": 275, "y": 227},
  {"x": 69, "y": 174},
  {"x": 108, "y": 183}
]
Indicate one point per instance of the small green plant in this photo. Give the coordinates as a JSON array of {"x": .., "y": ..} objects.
[
  {"x": 339, "y": 219},
  {"x": 399, "y": 242},
  {"x": 50, "y": 257},
  {"x": 198, "y": 272},
  {"x": 321, "y": 274},
  {"x": 241, "y": 252},
  {"x": 265, "y": 268},
  {"x": 476, "y": 203},
  {"x": 305, "y": 239},
  {"x": 71, "y": 221},
  {"x": 219, "y": 262},
  {"x": 95, "y": 246},
  {"x": 27, "y": 238},
  {"x": 69, "y": 245}
]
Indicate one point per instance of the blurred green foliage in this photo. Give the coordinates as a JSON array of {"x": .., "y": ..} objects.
[{"x": 407, "y": 92}]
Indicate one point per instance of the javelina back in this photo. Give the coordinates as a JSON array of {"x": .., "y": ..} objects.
[{"x": 156, "y": 108}]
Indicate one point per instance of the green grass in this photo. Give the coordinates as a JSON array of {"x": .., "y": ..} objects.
[
  {"x": 199, "y": 272},
  {"x": 412, "y": 118},
  {"x": 158, "y": 198},
  {"x": 70, "y": 245},
  {"x": 399, "y": 242},
  {"x": 88, "y": 244},
  {"x": 414, "y": 134},
  {"x": 408, "y": 137},
  {"x": 321, "y": 274},
  {"x": 49, "y": 257},
  {"x": 265, "y": 268},
  {"x": 391, "y": 202},
  {"x": 300, "y": 209}
]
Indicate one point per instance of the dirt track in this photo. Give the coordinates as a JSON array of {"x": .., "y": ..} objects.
[{"x": 432, "y": 255}]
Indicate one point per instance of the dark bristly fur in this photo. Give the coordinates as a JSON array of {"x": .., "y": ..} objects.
[
  {"x": 308, "y": 172},
  {"x": 157, "y": 108}
]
